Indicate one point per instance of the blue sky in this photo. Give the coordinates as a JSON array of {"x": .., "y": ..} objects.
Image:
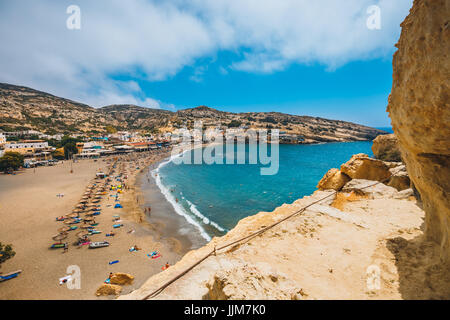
[
  {"x": 357, "y": 91},
  {"x": 304, "y": 57}
]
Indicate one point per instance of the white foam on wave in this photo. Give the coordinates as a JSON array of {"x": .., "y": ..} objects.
[
  {"x": 205, "y": 220},
  {"x": 179, "y": 209}
]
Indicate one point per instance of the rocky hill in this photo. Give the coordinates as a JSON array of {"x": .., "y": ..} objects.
[
  {"x": 127, "y": 116},
  {"x": 24, "y": 108}
]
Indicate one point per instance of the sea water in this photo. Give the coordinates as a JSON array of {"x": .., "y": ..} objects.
[{"x": 214, "y": 197}]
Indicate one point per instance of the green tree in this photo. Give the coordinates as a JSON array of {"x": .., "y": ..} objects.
[
  {"x": 6, "y": 252},
  {"x": 11, "y": 161},
  {"x": 58, "y": 154},
  {"x": 234, "y": 124},
  {"x": 110, "y": 129},
  {"x": 70, "y": 149}
]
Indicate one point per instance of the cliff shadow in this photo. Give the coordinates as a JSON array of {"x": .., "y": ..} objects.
[{"x": 421, "y": 273}]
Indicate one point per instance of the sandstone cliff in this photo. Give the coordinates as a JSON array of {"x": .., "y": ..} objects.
[{"x": 419, "y": 106}]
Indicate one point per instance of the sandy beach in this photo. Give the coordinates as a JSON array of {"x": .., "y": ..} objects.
[{"x": 29, "y": 206}]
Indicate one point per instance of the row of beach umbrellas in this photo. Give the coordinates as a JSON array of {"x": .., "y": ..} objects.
[{"x": 93, "y": 193}]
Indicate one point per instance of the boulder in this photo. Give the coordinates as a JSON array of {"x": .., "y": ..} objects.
[
  {"x": 405, "y": 194},
  {"x": 121, "y": 278},
  {"x": 419, "y": 108},
  {"x": 108, "y": 289},
  {"x": 239, "y": 280},
  {"x": 370, "y": 189},
  {"x": 400, "y": 179},
  {"x": 333, "y": 179},
  {"x": 360, "y": 166},
  {"x": 385, "y": 148}
]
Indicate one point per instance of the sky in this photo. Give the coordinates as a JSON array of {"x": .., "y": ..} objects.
[{"x": 303, "y": 57}]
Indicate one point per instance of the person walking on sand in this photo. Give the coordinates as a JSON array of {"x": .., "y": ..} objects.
[{"x": 66, "y": 247}]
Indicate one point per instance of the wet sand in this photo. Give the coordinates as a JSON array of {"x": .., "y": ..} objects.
[{"x": 172, "y": 227}]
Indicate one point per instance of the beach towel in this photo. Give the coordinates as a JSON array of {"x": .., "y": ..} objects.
[
  {"x": 4, "y": 278},
  {"x": 113, "y": 262},
  {"x": 64, "y": 279}
]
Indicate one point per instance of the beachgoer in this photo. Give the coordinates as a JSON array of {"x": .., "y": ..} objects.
[
  {"x": 167, "y": 265},
  {"x": 66, "y": 247}
]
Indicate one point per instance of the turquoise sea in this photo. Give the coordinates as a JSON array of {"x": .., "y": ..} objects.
[{"x": 214, "y": 197}]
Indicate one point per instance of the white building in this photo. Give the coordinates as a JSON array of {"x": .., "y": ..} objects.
[{"x": 27, "y": 145}]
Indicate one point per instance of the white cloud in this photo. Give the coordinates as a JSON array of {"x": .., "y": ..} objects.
[{"x": 154, "y": 40}]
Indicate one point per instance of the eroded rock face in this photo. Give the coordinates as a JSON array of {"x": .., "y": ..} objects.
[
  {"x": 369, "y": 188},
  {"x": 419, "y": 107},
  {"x": 333, "y": 179},
  {"x": 385, "y": 148},
  {"x": 360, "y": 166},
  {"x": 251, "y": 282}
]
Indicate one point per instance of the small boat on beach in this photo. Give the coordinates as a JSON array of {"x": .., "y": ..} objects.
[
  {"x": 57, "y": 246},
  {"x": 10, "y": 275},
  {"x": 100, "y": 244}
]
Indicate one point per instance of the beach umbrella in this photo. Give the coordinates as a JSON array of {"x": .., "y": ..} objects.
[
  {"x": 79, "y": 206},
  {"x": 89, "y": 219},
  {"x": 72, "y": 215},
  {"x": 60, "y": 236},
  {"x": 83, "y": 201},
  {"x": 82, "y": 234},
  {"x": 63, "y": 229}
]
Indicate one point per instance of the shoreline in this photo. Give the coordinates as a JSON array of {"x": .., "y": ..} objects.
[{"x": 163, "y": 218}]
